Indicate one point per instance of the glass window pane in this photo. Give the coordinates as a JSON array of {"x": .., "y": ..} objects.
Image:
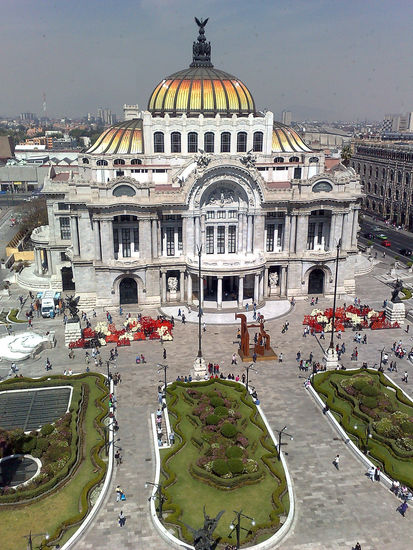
[
  {"x": 126, "y": 242},
  {"x": 232, "y": 235},
  {"x": 209, "y": 142},
  {"x": 258, "y": 141},
  {"x": 65, "y": 233},
  {"x": 192, "y": 142},
  {"x": 221, "y": 239},
  {"x": 270, "y": 237},
  {"x": 175, "y": 142},
  {"x": 225, "y": 142},
  {"x": 209, "y": 240},
  {"x": 241, "y": 142},
  {"x": 170, "y": 241}
]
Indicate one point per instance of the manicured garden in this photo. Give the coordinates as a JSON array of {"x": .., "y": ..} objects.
[
  {"x": 72, "y": 464},
  {"x": 223, "y": 458},
  {"x": 376, "y": 415}
]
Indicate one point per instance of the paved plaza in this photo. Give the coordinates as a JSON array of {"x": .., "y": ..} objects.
[{"x": 335, "y": 509}]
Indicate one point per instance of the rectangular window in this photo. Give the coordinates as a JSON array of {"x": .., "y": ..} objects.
[
  {"x": 209, "y": 240},
  {"x": 232, "y": 238},
  {"x": 270, "y": 237},
  {"x": 232, "y": 214},
  {"x": 209, "y": 142},
  {"x": 63, "y": 257},
  {"x": 63, "y": 206},
  {"x": 221, "y": 214},
  {"x": 65, "y": 233},
  {"x": 192, "y": 142},
  {"x": 225, "y": 142},
  {"x": 320, "y": 232},
  {"x": 210, "y": 215},
  {"x": 280, "y": 235},
  {"x": 311, "y": 235},
  {"x": 170, "y": 241},
  {"x": 136, "y": 239},
  {"x": 126, "y": 242},
  {"x": 180, "y": 242},
  {"x": 115, "y": 241},
  {"x": 221, "y": 239}
]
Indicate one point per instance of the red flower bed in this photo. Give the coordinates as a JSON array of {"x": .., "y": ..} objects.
[
  {"x": 139, "y": 336},
  {"x": 124, "y": 342},
  {"x": 112, "y": 338},
  {"x": 154, "y": 336},
  {"x": 89, "y": 333},
  {"x": 77, "y": 344}
]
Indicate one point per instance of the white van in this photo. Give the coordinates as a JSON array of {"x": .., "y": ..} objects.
[{"x": 48, "y": 302}]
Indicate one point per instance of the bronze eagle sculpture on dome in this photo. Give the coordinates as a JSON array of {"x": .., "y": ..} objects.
[{"x": 201, "y": 24}]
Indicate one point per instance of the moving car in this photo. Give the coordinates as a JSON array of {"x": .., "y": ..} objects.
[
  {"x": 385, "y": 242},
  {"x": 381, "y": 237},
  {"x": 406, "y": 252}
]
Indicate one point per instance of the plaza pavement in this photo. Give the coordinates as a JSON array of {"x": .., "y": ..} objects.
[{"x": 334, "y": 508}]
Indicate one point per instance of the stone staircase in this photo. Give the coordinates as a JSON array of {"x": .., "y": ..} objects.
[{"x": 87, "y": 301}]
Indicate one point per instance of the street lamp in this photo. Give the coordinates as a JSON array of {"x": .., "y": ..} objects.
[
  {"x": 335, "y": 297},
  {"x": 164, "y": 367},
  {"x": 368, "y": 436},
  {"x": 30, "y": 538},
  {"x": 199, "y": 248},
  {"x": 109, "y": 374},
  {"x": 158, "y": 487},
  {"x": 247, "y": 369},
  {"x": 280, "y": 432},
  {"x": 237, "y": 526}
]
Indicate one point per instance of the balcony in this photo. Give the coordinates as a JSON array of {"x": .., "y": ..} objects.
[{"x": 40, "y": 235}]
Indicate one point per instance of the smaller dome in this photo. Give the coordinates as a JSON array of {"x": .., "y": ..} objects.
[
  {"x": 286, "y": 140},
  {"x": 124, "y": 138}
]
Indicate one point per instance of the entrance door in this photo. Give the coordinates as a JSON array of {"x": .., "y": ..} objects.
[
  {"x": 128, "y": 291},
  {"x": 316, "y": 282},
  {"x": 67, "y": 279}
]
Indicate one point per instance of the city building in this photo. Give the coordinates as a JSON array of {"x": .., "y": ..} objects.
[
  {"x": 286, "y": 117},
  {"x": 398, "y": 123},
  {"x": 386, "y": 172},
  {"x": 202, "y": 172}
]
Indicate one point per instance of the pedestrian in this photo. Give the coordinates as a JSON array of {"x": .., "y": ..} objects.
[
  {"x": 204, "y": 327},
  {"x": 358, "y": 545},
  {"x": 179, "y": 312},
  {"x": 311, "y": 356},
  {"x": 121, "y": 519},
  {"x": 120, "y": 311},
  {"x": 119, "y": 493},
  {"x": 280, "y": 358},
  {"x": 403, "y": 508},
  {"x": 164, "y": 354},
  {"x": 377, "y": 474},
  {"x": 298, "y": 356},
  {"x": 404, "y": 379},
  {"x": 336, "y": 461},
  {"x": 254, "y": 357},
  {"x": 183, "y": 318},
  {"x": 117, "y": 455},
  {"x": 243, "y": 377},
  {"x": 322, "y": 335},
  {"x": 407, "y": 329},
  {"x": 234, "y": 359},
  {"x": 71, "y": 354},
  {"x": 171, "y": 438},
  {"x": 370, "y": 473}
]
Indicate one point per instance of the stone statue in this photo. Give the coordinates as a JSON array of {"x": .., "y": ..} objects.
[
  {"x": 249, "y": 159},
  {"x": 273, "y": 279},
  {"x": 221, "y": 198},
  {"x": 172, "y": 284},
  {"x": 203, "y": 539},
  {"x": 398, "y": 287},
  {"x": 202, "y": 160},
  {"x": 71, "y": 304}
]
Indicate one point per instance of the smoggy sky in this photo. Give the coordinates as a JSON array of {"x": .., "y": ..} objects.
[{"x": 321, "y": 59}]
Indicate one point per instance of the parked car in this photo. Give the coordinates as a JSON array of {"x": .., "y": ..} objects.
[
  {"x": 370, "y": 236},
  {"x": 406, "y": 252},
  {"x": 385, "y": 242}
]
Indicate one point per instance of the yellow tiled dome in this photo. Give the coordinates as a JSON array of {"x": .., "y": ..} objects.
[
  {"x": 287, "y": 140},
  {"x": 123, "y": 138}
]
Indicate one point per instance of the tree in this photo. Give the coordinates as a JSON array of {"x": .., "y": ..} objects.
[
  {"x": 33, "y": 214},
  {"x": 346, "y": 154}
]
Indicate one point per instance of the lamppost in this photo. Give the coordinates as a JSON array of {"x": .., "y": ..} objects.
[
  {"x": 109, "y": 374},
  {"x": 248, "y": 369},
  {"x": 158, "y": 487},
  {"x": 368, "y": 436},
  {"x": 199, "y": 248},
  {"x": 381, "y": 357},
  {"x": 280, "y": 432},
  {"x": 237, "y": 526},
  {"x": 164, "y": 367},
  {"x": 30, "y": 538},
  {"x": 331, "y": 355}
]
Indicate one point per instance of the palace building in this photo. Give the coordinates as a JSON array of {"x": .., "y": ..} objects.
[{"x": 201, "y": 171}]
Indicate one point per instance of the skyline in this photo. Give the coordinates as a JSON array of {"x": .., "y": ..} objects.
[{"x": 317, "y": 59}]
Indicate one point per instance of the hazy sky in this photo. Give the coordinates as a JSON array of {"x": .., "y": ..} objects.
[{"x": 325, "y": 59}]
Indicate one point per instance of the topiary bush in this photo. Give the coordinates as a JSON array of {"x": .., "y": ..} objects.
[
  {"x": 369, "y": 402},
  {"x": 370, "y": 391},
  {"x": 42, "y": 444},
  {"x": 235, "y": 465},
  {"x": 212, "y": 420},
  {"x": 234, "y": 452},
  {"x": 217, "y": 402},
  {"x": 407, "y": 427},
  {"x": 47, "y": 429},
  {"x": 220, "y": 467},
  {"x": 221, "y": 411},
  {"x": 29, "y": 445},
  {"x": 228, "y": 430}
]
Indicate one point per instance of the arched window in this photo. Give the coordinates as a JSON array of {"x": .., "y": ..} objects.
[
  {"x": 225, "y": 142},
  {"x": 369, "y": 187},
  {"x": 381, "y": 190},
  {"x": 209, "y": 142},
  {"x": 158, "y": 142},
  {"x": 389, "y": 193},
  {"x": 294, "y": 159},
  {"x": 192, "y": 142},
  {"x": 377, "y": 172},
  {"x": 399, "y": 177},
  {"x": 375, "y": 189},
  {"x": 316, "y": 159},
  {"x": 407, "y": 179},
  {"x": 258, "y": 141},
  {"x": 383, "y": 173},
  {"x": 85, "y": 160},
  {"x": 242, "y": 142},
  {"x": 102, "y": 163},
  {"x": 124, "y": 190},
  {"x": 278, "y": 160},
  {"x": 118, "y": 161},
  {"x": 136, "y": 161},
  {"x": 391, "y": 175},
  {"x": 175, "y": 142}
]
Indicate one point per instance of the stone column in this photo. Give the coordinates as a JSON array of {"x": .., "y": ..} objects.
[
  {"x": 346, "y": 235},
  {"x": 38, "y": 262},
  {"x": 338, "y": 228},
  {"x": 182, "y": 285},
  {"x": 219, "y": 293},
  {"x": 293, "y": 231},
  {"x": 75, "y": 235},
  {"x": 189, "y": 288},
  {"x": 240, "y": 291},
  {"x": 331, "y": 243},
  {"x": 355, "y": 228},
  {"x": 302, "y": 232},
  {"x": 249, "y": 233},
  {"x": 96, "y": 231},
  {"x": 256, "y": 287},
  {"x": 107, "y": 240},
  {"x": 197, "y": 240},
  {"x": 287, "y": 230},
  {"x": 203, "y": 233},
  {"x": 184, "y": 236},
  {"x": 154, "y": 238},
  {"x": 240, "y": 234},
  {"x": 163, "y": 285},
  {"x": 259, "y": 233},
  {"x": 283, "y": 282},
  {"x": 266, "y": 286},
  {"x": 262, "y": 285},
  {"x": 49, "y": 262}
]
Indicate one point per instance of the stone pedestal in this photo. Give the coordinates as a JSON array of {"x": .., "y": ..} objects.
[
  {"x": 72, "y": 332},
  {"x": 395, "y": 312},
  {"x": 198, "y": 369},
  {"x": 330, "y": 359},
  {"x": 173, "y": 296}
]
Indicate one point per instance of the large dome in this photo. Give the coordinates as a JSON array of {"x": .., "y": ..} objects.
[
  {"x": 122, "y": 138},
  {"x": 201, "y": 88}
]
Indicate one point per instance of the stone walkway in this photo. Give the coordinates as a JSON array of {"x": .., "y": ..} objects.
[{"x": 334, "y": 509}]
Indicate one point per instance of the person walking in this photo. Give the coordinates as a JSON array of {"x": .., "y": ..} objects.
[
  {"x": 358, "y": 545},
  {"x": 164, "y": 354},
  {"x": 234, "y": 359},
  {"x": 119, "y": 493},
  {"x": 280, "y": 358},
  {"x": 336, "y": 462},
  {"x": 370, "y": 473},
  {"x": 121, "y": 519},
  {"x": 403, "y": 508},
  {"x": 204, "y": 327}
]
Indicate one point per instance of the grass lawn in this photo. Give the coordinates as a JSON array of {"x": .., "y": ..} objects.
[
  {"x": 48, "y": 514},
  {"x": 366, "y": 402},
  {"x": 261, "y": 496}
]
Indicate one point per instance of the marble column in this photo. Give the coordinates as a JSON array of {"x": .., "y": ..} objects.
[
  {"x": 240, "y": 234},
  {"x": 256, "y": 287},
  {"x": 163, "y": 285},
  {"x": 287, "y": 230},
  {"x": 240, "y": 292},
  {"x": 283, "y": 282},
  {"x": 219, "y": 292},
  {"x": 184, "y": 236},
  {"x": 154, "y": 238},
  {"x": 266, "y": 286},
  {"x": 182, "y": 285},
  {"x": 197, "y": 240},
  {"x": 259, "y": 233},
  {"x": 262, "y": 285},
  {"x": 332, "y": 243},
  {"x": 38, "y": 261},
  {"x": 96, "y": 232},
  {"x": 338, "y": 228},
  {"x": 355, "y": 228},
  {"x": 249, "y": 233},
  {"x": 75, "y": 235},
  {"x": 202, "y": 236},
  {"x": 158, "y": 237},
  {"x": 346, "y": 235},
  {"x": 293, "y": 230},
  {"x": 107, "y": 240},
  {"x": 189, "y": 288},
  {"x": 49, "y": 262},
  {"x": 302, "y": 232}
]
